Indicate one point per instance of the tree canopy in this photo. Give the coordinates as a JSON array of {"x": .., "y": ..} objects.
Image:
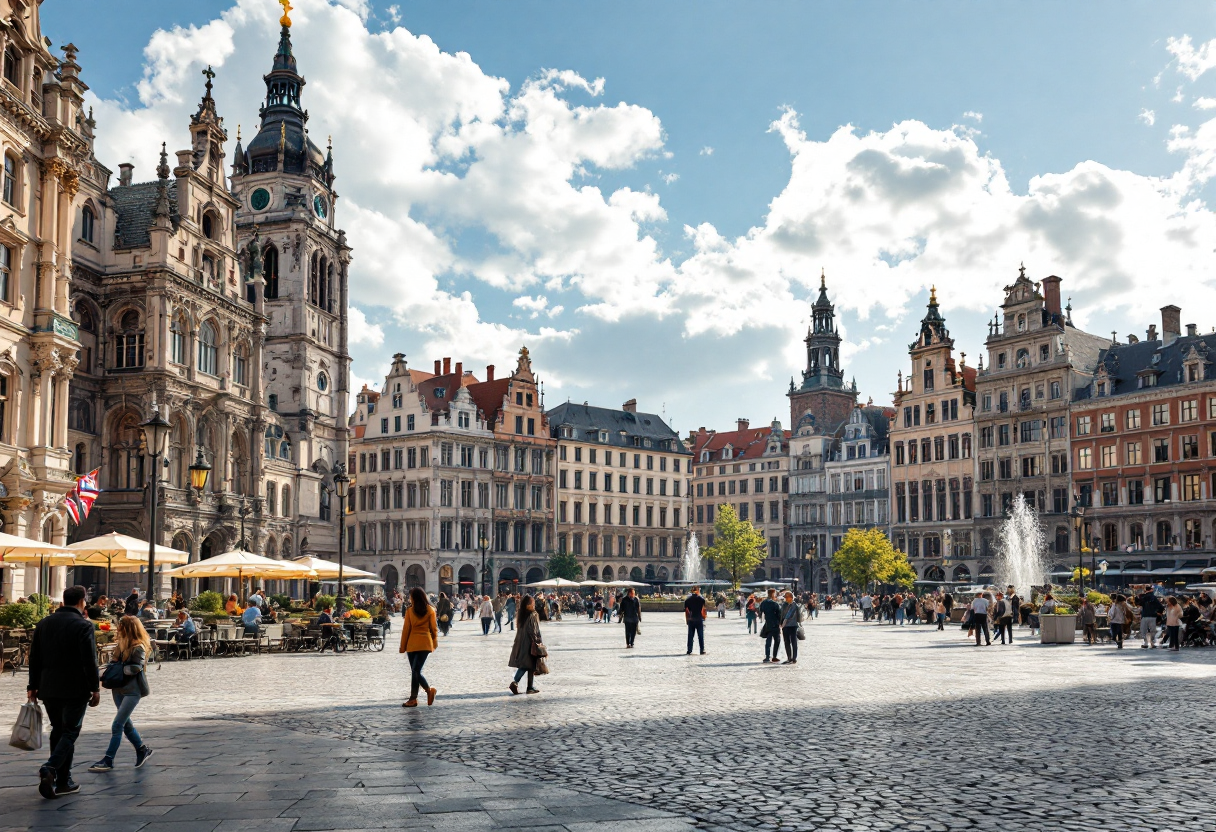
[
  {"x": 564, "y": 565},
  {"x": 866, "y": 556},
  {"x": 738, "y": 548}
]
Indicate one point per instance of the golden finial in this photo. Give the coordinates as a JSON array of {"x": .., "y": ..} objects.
[
  {"x": 932, "y": 295},
  {"x": 285, "y": 20},
  {"x": 282, "y": 134},
  {"x": 823, "y": 280}
]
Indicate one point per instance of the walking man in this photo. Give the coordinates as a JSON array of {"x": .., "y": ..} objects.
[
  {"x": 63, "y": 674},
  {"x": 1004, "y": 617},
  {"x": 511, "y": 605},
  {"x": 979, "y": 619},
  {"x": 1150, "y": 610},
  {"x": 694, "y": 617},
  {"x": 867, "y": 606},
  {"x": 498, "y": 604},
  {"x": 631, "y": 614},
  {"x": 486, "y": 610},
  {"x": 770, "y": 612}
]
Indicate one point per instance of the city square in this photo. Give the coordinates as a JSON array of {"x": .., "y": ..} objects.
[{"x": 878, "y": 727}]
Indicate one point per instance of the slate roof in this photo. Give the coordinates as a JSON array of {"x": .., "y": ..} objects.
[
  {"x": 1124, "y": 363},
  {"x": 133, "y": 207},
  {"x": 622, "y": 426}
]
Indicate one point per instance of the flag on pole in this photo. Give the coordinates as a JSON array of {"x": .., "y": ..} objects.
[
  {"x": 70, "y": 504},
  {"x": 87, "y": 491}
]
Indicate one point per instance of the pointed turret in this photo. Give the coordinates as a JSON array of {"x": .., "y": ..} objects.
[{"x": 933, "y": 325}]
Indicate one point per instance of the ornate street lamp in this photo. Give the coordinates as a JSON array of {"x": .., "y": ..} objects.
[
  {"x": 1077, "y": 513},
  {"x": 342, "y": 487},
  {"x": 199, "y": 472},
  {"x": 155, "y": 429}
]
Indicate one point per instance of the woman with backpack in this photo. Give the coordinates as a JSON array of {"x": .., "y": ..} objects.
[
  {"x": 419, "y": 639},
  {"x": 528, "y": 649},
  {"x": 127, "y": 680}
]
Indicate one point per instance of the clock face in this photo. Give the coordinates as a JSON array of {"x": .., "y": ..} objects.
[
  {"x": 318, "y": 205},
  {"x": 260, "y": 199}
]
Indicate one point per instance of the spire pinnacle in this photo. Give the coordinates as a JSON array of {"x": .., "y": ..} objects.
[
  {"x": 823, "y": 280},
  {"x": 1022, "y": 269},
  {"x": 932, "y": 295},
  {"x": 285, "y": 21}
]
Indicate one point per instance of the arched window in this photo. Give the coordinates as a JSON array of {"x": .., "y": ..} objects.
[
  {"x": 84, "y": 317},
  {"x": 87, "y": 220},
  {"x": 1023, "y": 356},
  {"x": 278, "y": 445},
  {"x": 240, "y": 365},
  {"x": 179, "y": 455},
  {"x": 211, "y": 225},
  {"x": 130, "y": 344},
  {"x": 10, "y": 180},
  {"x": 177, "y": 341},
  {"x": 271, "y": 492},
  {"x": 208, "y": 350},
  {"x": 12, "y": 66},
  {"x": 287, "y": 550},
  {"x": 126, "y": 445},
  {"x": 329, "y": 290},
  {"x": 270, "y": 271},
  {"x": 325, "y": 503},
  {"x": 312, "y": 278}
]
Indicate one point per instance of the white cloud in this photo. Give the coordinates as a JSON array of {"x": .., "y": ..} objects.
[
  {"x": 473, "y": 208},
  {"x": 1148, "y": 117},
  {"x": 1192, "y": 62},
  {"x": 671, "y": 178},
  {"x": 359, "y": 331},
  {"x": 1203, "y": 103},
  {"x": 1178, "y": 96},
  {"x": 972, "y": 114}
]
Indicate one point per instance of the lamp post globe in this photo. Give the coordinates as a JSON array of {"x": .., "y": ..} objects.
[
  {"x": 155, "y": 429},
  {"x": 200, "y": 471}
]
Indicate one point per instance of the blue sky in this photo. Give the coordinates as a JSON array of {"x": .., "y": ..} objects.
[{"x": 1086, "y": 96}]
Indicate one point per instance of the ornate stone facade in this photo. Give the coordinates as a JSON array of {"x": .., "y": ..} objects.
[{"x": 45, "y": 142}]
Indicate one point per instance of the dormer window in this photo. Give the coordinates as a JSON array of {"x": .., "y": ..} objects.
[
  {"x": 705, "y": 456},
  {"x": 440, "y": 392}
]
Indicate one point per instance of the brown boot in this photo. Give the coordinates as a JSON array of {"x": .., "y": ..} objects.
[
  {"x": 410, "y": 703},
  {"x": 430, "y": 696}
]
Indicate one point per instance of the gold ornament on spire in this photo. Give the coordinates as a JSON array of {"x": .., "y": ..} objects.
[
  {"x": 932, "y": 294},
  {"x": 285, "y": 20}
]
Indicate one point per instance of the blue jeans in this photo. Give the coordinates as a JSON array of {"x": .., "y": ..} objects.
[
  {"x": 122, "y": 722},
  {"x": 773, "y": 640},
  {"x": 697, "y": 627},
  {"x": 899, "y": 616}
]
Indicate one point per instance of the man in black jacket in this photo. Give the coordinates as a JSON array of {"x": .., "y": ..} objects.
[
  {"x": 1150, "y": 610},
  {"x": 631, "y": 613},
  {"x": 131, "y": 607},
  {"x": 63, "y": 674}
]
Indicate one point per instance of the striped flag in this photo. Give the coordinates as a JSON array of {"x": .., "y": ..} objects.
[
  {"x": 87, "y": 491},
  {"x": 69, "y": 502}
]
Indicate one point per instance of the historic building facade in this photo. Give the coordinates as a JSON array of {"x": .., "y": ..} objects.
[
  {"x": 45, "y": 141},
  {"x": 450, "y": 470},
  {"x": 221, "y": 338},
  {"x": 622, "y": 492},
  {"x": 810, "y": 451},
  {"x": 858, "y": 482},
  {"x": 1036, "y": 358},
  {"x": 1144, "y": 458},
  {"x": 823, "y": 391},
  {"x": 932, "y": 456},
  {"x": 749, "y": 469}
]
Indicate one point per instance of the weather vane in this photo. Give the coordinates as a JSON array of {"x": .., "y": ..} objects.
[{"x": 285, "y": 20}]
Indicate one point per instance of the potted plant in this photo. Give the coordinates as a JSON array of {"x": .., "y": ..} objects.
[{"x": 1059, "y": 626}]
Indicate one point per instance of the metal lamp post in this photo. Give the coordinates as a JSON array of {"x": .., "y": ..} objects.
[
  {"x": 342, "y": 487},
  {"x": 947, "y": 551},
  {"x": 199, "y": 472},
  {"x": 1078, "y": 513},
  {"x": 484, "y": 544},
  {"x": 155, "y": 429}
]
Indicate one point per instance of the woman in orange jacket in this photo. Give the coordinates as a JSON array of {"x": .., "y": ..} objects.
[{"x": 419, "y": 638}]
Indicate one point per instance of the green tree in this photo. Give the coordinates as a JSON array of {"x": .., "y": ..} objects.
[
  {"x": 564, "y": 565},
  {"x": 866, "y": 556},
  {"x": 738, "y": 548}
]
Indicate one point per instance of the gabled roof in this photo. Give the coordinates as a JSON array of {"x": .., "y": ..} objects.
[
  {"x": 1123, "y": 364},
  {"x": 586, "y": 421},
  {"x": 744, "y": 444},
  {"x": 133, "y": 211},
  {"x": 449, "y": 384},
  {"x": 488, "y": 396}
]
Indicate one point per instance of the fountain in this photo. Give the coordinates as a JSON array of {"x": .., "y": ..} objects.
[
  {"x": 690, "y": 564},
  {"x": 1022, "y": 546}
]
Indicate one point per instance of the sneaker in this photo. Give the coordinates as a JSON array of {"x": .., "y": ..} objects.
[
  {"x": 70, "y": 787},
  {"x": 46, "y": 782},
  {"x": 787, "y": 661},
  {"x": 104, "y": 764},
  {"x": 514, "y": 688},
  {"x": 141, "y": 755},
  {"x": 533, "y": 690}
]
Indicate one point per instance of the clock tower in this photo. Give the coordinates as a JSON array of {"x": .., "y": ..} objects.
[{"x": 295, "y": 262}]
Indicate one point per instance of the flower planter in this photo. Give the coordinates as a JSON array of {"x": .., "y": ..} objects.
[{"x": 1057, "y": 629}]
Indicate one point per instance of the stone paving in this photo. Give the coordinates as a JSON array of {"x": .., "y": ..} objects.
[{"x": 876, "y": 728}]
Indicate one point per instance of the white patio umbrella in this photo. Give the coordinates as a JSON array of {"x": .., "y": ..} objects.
[
  {"x": 554, "y": 583},
  {"x": 327, "y": 570},
  {"x": 239, "y": 564},
  {"x": 592, "y": 583},
  {"x": 626, "y": 583},
  {"x": 122, "y": 553}
]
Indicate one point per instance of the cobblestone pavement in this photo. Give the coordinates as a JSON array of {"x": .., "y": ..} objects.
[{"x": 877, "y": 727}]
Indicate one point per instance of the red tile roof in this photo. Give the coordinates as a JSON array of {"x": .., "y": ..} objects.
[
  {"x": 745, "y": 444},
  {"x": 489, "y": 396},
  {"x": 449, "y": 383}
]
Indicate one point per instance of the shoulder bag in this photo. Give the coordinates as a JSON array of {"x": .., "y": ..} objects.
[
  {"x": 539, "y": 650},
  {"x": 27, "y": 731},
  {"x": 112, "y": 675}
]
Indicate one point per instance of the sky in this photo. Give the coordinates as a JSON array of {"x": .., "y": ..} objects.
[{"x": 645, "y": 193}]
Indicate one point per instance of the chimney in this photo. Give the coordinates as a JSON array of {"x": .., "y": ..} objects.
[
  {"x": 742, "y": 424},
  {"x": 1151, "y": 335},
  {"x": 437, "y": 366},
  {"x": 1132, "y": 339},
  {"x": 459, "y": 369},
  {"x": 630, "y": 406},
  {"x": 1171, "y": 324},
  {"x": 124, "y": 173},
  {"x": 447, "y": 366},
  {"x": 1192, "y": 330},
  {"x": 489, "y": 372},
  {"x": 1051, "y": 294}
]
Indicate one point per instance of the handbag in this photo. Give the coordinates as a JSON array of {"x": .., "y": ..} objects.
[
  {"x": 801, "y": 633},
  {"x": 539, "y": 650},
  {"x": 112, "y": 675},
  {"x": 542, "y": 667},
  {"x": 27, "y": 730},
  {"x": 444, "y": 619}
]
